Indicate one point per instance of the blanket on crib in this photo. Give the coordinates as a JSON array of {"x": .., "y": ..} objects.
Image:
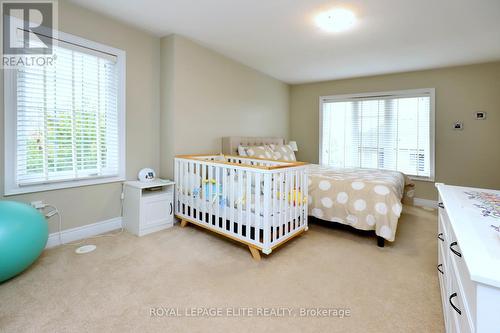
[{"x": 366, "y": 199}]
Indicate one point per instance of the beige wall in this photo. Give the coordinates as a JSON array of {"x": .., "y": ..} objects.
[
  {"x": 211, "y": 96},
  {"x": 90, "y": 204},
  {"x": 470, "y": 157},
  {"x": 167, "y": 105}
]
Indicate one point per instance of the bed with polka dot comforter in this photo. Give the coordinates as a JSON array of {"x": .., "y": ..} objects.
[{"x": 366, "y": 199}]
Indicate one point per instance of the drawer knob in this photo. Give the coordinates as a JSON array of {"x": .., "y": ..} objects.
[
  {"x": 455, "y": 252},
  {"x": 453, "y": 305},
  {"x": 441, "y": 205},
  {"x": 440, "y": 237},
  {"x": 439, "y": 268}
]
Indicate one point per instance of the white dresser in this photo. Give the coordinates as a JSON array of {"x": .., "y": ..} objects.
[{"x": 468, "y": 259}]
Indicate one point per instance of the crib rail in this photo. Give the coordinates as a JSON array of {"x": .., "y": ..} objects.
[{"x": 259, "y": 202}]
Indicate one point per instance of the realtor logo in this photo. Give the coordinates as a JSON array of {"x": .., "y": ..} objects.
[{"x": 27, "y": 27}]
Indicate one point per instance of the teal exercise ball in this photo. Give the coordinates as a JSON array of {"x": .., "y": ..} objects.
[{"x": 23, "y": 236}]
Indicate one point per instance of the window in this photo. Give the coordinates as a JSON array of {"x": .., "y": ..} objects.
[
  {"x": 392, "y": 131},
  {"x": 65, "y": 123}
]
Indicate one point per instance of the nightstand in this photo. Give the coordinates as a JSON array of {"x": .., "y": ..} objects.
[{"x": 148, "y": 206}]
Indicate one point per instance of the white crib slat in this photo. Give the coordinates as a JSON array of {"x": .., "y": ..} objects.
[
  {"x": 176, "y": 188},
  {"x": 287, "y": 202},
  {"x": 304, "y": 198},
  {"x": 300, "y": 199},
  {"x": 306, "y": 204},
  {"x": 186, "y": 187},
  {"x": 224, "y": 196},
  {"x": 232, "y": 200},
  {"x": 248, "y": 201},
  {"x": 203, "y": 194},
  {"x": 240, "y": 200},
  {"x": 290, "y": 217},
  {"x": 189, "y": 189},
  {"x": 216, "y": 197},
  {"x": 266, "y": 217},
  {"x": 292, "y": 197},
  {"x": 304, "y": 187},
  {"x": 197, "y": 186},
  {"x": 257, "y": 206},
  {"x": 295, "y": 199},
  {"x": 274, "y": 202},
  {"x": 281, "y": 203},
  {"x": 181, "y": 186},
  {"x": 210, "y": 194}
]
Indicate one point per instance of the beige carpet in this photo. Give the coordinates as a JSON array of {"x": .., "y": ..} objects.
[{"x": 393, "y": 289}]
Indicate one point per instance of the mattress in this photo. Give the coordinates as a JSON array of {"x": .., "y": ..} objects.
[{"x": 366, "y": 199}]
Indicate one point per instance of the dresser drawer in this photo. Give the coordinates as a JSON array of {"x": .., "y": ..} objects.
[
  {"x": 456, "y": 263},
  {"x": 444, "y": 224},
  {"x": 444, "y": 285},
  {"x": 442, "y": 239},
  {"x": 457, "y": 308}
]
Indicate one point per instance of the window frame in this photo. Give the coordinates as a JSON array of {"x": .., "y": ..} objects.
[
  {"x": 396, "y": 93},
  {"x": 10, "y": 126}
]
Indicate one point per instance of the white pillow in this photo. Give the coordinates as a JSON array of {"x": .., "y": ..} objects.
[
  {"x": 284, "y": 153},
  {"x": 242, "y": 151},
  {"x": 260, "y": 152}
]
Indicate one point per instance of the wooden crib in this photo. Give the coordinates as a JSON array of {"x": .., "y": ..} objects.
[{"x": 261, "y": 203}]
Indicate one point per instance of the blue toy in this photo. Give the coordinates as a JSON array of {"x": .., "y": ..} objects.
[
  {"x": 210, "y": 190},
  {"x": 23, "y": 236}
]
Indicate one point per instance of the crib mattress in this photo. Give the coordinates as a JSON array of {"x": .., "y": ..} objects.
[{"x": 278, "y": 215}]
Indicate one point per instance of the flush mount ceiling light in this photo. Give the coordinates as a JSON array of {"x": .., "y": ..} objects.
[{"x": 335, "y": 20}]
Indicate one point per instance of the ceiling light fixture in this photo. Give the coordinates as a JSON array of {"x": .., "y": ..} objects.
[{"x": 335, "y": 20}]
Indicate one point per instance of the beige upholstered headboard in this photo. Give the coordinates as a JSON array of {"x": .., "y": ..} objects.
[{"x": 230, "y": 143}]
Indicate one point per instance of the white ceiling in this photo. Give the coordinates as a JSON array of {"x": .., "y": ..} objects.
[{"x": 279, "y": 38}]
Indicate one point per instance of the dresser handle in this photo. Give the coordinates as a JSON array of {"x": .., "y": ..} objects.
[
  {"x": 439, "y": 269},
  {"x": 441, "y": 205},
  {"x": 171, "y": 209},
  {"x": 458, "y": 254},
  {"x": 453, "y": 305},
  {"x": 440, "y": 237}
]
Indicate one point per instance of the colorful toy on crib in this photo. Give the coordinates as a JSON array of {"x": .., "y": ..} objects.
[
  {"x": 210, "y": 188},
  {"x": 294, "y": 196}
]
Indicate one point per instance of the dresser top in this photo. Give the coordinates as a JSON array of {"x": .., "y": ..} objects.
[
  {"x": 154, "y": 183},
  {"x": 472, "y": 212}
]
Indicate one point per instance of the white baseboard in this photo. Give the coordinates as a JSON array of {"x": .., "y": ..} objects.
[
  {"x": 425, "y": 203},
  {"x": 74, "y": 234}
]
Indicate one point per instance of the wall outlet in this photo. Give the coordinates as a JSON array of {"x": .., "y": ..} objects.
[
  {"x": 37, "y": 204},
  {"x": 480, "y": 115}
]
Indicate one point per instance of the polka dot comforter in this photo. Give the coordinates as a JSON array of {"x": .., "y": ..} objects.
[{"x": 366, "y": 199}]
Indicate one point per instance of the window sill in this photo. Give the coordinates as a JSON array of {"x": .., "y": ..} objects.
[
  {"x": 420, "y": 179},
  {"x": 16, "y": 190}
]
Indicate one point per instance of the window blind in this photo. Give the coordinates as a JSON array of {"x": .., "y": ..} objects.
[
  {"x": 385, "y": 132},
  {"x": 67, "y": 118}
]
